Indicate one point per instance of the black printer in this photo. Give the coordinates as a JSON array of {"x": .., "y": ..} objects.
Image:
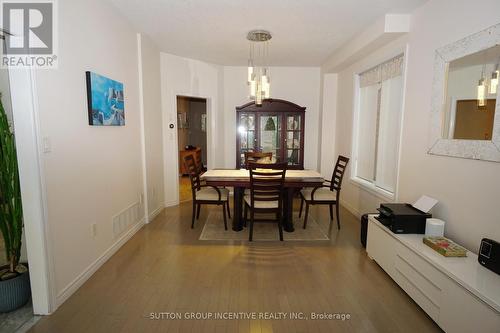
[{"x": 402, "y": 218}]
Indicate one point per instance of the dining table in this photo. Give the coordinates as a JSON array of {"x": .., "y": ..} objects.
[{"x": 239, "y": 179}]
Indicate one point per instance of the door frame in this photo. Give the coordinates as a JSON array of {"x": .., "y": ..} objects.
[
  {"x": 29, "y": 146},
  {"x": 210, "y": 145}
]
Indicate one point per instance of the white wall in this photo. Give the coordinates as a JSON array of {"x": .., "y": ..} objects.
[
  {"x": 188, "y": 77},
  {"x": 153, "y": 130},
  {"x": 91, "y": 173},
  {"x": 468, "y": 190},
  {"x": 462, "y": 82},
  {"x": 300, "y": 85},
  {"x": 328, "y": 121}
]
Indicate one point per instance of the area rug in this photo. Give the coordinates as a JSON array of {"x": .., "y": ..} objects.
[{"x": 214, "y": 230}]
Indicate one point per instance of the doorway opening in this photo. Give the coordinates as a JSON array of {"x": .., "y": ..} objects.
[{"x": 191, "y": 138}]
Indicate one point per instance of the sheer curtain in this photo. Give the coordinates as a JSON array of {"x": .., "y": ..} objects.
[
  {"x": 380, "y": 103},
  {"x": 388, "y": 139},
  {"x": 367, "y": 131}
]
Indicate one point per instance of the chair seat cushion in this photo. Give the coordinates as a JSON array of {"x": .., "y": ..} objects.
[
  {"x": 210, "y": 194},
  {"x": 321, "y": 194},
  {"x": 261, "y": 204}
]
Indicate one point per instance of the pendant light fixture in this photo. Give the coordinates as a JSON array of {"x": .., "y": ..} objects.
[
  {"x": 481, "y": 93},
  {"x": 494, "y": 82},
  {"x": 481, "y": 90},
  {"x": 258, "y": 71},
  {"x": 495, "y": 75}
]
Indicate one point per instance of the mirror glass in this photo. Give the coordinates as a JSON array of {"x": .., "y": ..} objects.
[{"x": 471, "y": 95}]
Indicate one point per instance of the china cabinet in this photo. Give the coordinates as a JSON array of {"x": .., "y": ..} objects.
[{"x": 276, "y": 126}]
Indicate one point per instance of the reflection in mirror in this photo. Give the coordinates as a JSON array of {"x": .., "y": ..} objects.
[{"x": 471, "y": 96}]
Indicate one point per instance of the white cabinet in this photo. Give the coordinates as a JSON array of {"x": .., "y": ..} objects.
[
  {"x": 420, "y": 280},
  {"x": 463, "y": 312},
  {"x": 457, "y": 293},
  {"x": 381, "y": 247}
]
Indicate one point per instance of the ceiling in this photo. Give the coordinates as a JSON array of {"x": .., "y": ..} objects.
[
  {"x": 305, "y": 32},
  {"x": 488, "y": 56}
]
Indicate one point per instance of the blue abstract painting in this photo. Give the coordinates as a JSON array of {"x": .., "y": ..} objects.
[{"x": 105, "y": 101}]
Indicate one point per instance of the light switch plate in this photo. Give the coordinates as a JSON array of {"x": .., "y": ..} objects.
[{"x": 46, "y": 146}]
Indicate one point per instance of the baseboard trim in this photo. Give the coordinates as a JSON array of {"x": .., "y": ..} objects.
[
  {"x": 171, "y": 204},
  {"x": 155, "y": 213},
  {"x": 351, "y": 209},
  {"x": 74, "y": 285}
]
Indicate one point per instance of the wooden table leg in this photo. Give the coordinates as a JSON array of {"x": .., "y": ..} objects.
[
  {"x": 288, "y": 210},
  {"x": 237, "y": 218}
]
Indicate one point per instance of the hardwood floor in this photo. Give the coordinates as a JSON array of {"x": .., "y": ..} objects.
[
  {"x": 164, "y": 268},
  {"x": 185, "y": 189}
]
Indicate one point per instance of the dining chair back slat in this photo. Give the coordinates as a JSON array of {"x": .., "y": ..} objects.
[
  {"x": 267, "y": 182},
  {"x": 203, "y": 193},
  {"x": 326, "y": 194},
  {"x": 194, "y": 173},
  {"x": 338, "y": 173},
  {"x": 266, "y": 191}
]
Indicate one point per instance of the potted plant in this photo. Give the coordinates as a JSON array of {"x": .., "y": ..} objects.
[{"x": 14, "y": 278}]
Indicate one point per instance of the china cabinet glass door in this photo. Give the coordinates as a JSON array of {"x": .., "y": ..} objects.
[
  {"x": 293, "y": 140},
  {"x": 247, "y": 133},
  {"x": 276, "y": 126},
  {"x": 270, "y": 135}
]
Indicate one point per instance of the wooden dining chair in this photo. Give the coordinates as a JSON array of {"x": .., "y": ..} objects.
[
  {"x": 327, "y": 194},
  {"x": 199, "y": 162},
  {"x": 266, "y": 193},
  {"x": 254, "y": 157},
  {"x": 204, "y": 194}
]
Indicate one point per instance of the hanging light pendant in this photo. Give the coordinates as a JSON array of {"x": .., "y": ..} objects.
[
  {"x": 494, "y": 82},
  {"x": 481, "y": 93},
  {"x": 250, "y": 71},
  {"x": 266, "y": 85},
  {"x": 481, "y": 89},
  {"x": 258, "y": 72}
]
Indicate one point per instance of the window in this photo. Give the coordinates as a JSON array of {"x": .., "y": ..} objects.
[{"x": 377, "y": 126}]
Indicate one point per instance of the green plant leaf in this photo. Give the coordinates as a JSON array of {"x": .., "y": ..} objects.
[{"x": 11, "y": 216}]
